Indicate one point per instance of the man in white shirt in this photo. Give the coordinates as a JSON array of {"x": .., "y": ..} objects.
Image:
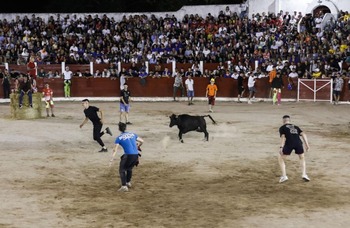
[
  {"x": 190, "y": 89},
  {"x": 67, "y": 76},
  {"x": 269, "y": 67},
  {"x": 293, "y": 74},
  {"x": 251, "y": 87}
]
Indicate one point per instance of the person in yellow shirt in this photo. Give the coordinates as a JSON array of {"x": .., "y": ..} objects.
[
  {"x": 317, "y": 73},
  {"x": 210, "y": 93}
]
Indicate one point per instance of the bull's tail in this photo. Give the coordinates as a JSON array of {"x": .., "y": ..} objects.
[{"x": 214, "y": 122}]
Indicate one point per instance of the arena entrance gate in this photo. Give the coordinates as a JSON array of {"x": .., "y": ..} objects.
[{"x": 315, "y": 89}]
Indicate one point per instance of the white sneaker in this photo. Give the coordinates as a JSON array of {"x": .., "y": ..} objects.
[
  {"x": 283, "y": 179},
  {"x": 123, "y": 189},
  {"x": 249, "y": 102},
  {"x": 128, "y": 184},
  {"x": 306, "y": 178}
]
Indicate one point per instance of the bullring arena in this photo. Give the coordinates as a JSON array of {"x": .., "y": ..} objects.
[{"x": 53, "y": 176}]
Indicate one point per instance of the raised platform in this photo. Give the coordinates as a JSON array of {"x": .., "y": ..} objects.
[{"x": 26, "y": 112}]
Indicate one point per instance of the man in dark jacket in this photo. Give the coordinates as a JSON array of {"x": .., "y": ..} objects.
[
  {"x": 25, "y": 88},
  {"x": 277, "y": 85}
]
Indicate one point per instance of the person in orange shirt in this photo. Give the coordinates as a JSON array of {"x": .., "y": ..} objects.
[
  {"x": 210, "y": 93},
  {"x": 48, "y": 97},
  {"x": 272, "y": 75}
]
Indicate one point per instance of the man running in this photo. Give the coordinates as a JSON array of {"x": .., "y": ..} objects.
[{"x": 91, "y": 113}]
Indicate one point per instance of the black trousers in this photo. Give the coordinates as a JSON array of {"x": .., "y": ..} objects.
[
  {"x": 97, "y": 134},
  {"x": 127, "y": 163},
  {"x": 7, "y": 89}
]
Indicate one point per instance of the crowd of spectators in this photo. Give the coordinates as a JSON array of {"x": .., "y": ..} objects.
[{"x": 270, "y": 39}]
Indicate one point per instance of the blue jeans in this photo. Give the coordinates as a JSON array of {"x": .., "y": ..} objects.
[{"x": 29, "y": 93}]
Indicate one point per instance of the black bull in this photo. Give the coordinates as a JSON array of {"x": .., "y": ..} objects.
[{"x": 187, "y": 123}]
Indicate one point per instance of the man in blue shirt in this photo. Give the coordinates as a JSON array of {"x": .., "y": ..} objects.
[{"x": 130, "y": 142}]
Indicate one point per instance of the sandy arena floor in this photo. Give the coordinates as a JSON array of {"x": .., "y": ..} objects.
[{"x": 52, "y": 175}]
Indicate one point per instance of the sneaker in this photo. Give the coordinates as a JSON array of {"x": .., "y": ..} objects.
[
  {"x": 249, "y": 102},
  {"x": 103, "y": 150},
  {"x": 283, "y": 179},
  {"x": 47, "y": 115},
  {"x": 306, "y": 178},
  {"x": 20, "y": 106},
  {"x": 53, "y": 115},
  {"x": 211, "y": 110},
  {"x": 128, "y": 122},
  {"x": 108, "y": 131},
  {"x": 31, "y": 105},
  {"x": 128, "y": 184},
  {"x": 123, "y": 189}
]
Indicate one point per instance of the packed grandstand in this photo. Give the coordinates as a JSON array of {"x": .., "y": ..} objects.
[{"x": 286, "y": 40}]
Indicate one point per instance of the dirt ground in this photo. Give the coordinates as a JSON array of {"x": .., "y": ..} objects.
[{"x": 52, "y": 175}]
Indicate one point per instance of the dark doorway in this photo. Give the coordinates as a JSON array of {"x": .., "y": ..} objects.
[{"x": 321, "y": 10}]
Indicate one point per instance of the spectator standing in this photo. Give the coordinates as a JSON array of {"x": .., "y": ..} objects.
[
  {"x": 67, "y": 77},
  {"x": 178, "y": 84},
  {"x": 124, "y": 106},
  {"x": 277, "y": 85},
  {"x": 31, "y": 67},
  {"x": 251, "y": 87},
  {"x": 190, "y": 89},
  {"x": 210, "y": 93},
  {"x": 6, "y": 84},
  {"x": 240, "y": 87},
  {"x": 338, "y": 87},
  {"x": 272, "y": 75}
]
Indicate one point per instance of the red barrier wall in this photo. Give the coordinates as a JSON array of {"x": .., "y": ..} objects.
[{"x": 155, "y": 87}]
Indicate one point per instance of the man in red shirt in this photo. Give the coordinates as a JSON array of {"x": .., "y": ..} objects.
[
  {"x": 48, "y": 97},
  {"x": 31, "y": 68}
]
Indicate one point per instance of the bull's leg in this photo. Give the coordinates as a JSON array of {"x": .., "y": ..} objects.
[
  {"x": 206, "y": 135},
  {"x": 180, "y": 137}
]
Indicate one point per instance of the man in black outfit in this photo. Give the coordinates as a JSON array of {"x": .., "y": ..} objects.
[
  {"x": 240, "y": 86},
  {"x": 6, "y": 85},
  {"x": 91, "y": 112},
  {"x": 290, "y": 140}
]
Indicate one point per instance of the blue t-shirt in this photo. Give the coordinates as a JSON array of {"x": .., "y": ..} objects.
[{"x": 128, "y": 141}]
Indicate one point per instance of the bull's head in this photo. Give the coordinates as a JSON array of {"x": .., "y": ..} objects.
[{"x": 173, "y": 120}]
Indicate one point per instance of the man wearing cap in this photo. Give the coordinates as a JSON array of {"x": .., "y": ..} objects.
[
  {"x": 290, "y": 140},
  {"x": 210, "y": 93},
  {"x": 91, "y": 113}
]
